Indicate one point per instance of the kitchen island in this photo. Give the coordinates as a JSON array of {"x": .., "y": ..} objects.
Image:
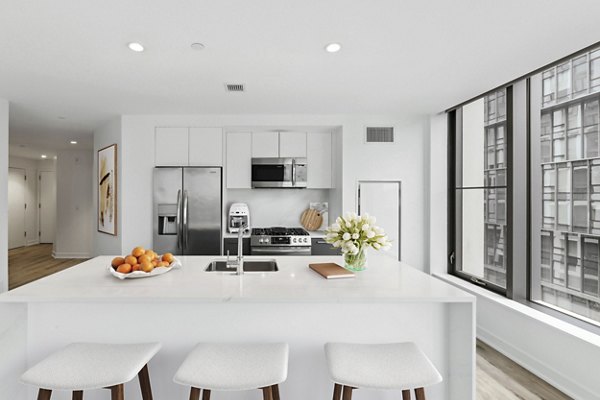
[{"x": 389, "y": 302}]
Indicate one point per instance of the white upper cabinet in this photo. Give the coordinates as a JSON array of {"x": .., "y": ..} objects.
[
  {"x": 319, "y": 159},
  {"x": 265, "y": 144},
  {"x": 292, "y": 144},
  {"x": 206, "y": 147},
  {"x": 171, "y": 147},
  {"x": 239, "y": 159}
]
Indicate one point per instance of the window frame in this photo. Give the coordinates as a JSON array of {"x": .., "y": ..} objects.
[{"x": 454, "y": 239}]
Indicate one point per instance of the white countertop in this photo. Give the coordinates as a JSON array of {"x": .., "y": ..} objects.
[{"x": 385, "y": 280}]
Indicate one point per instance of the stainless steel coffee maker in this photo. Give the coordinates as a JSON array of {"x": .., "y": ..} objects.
[{"x": 239, "y": 215}]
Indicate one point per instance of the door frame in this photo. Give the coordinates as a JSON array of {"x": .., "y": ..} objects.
[
  {"x": 24, "y": 208},
  {"x": 399, "y": 182},
  {"x": 39, "y": 200}
]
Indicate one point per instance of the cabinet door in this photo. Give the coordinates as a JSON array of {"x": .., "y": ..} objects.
[
  {"x": 206, "y": 147},
  {"x": 319, "y": 159},
  {"x": 239, "y": 160},
  {"x": 292, "y": 144},
  {"x": 321, "y": 248},
  {"x": 171, "y": 147},
  {"x": 265, "y": 144}
]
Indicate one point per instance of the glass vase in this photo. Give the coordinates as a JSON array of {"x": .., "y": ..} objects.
[{"x": 356, "y": 262}]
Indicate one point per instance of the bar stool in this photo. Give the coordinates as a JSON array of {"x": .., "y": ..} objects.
[
  {"x": 234, "y": 367},
  {"x": 88, "y": 366},
  {"x": 394, "y": 366}
]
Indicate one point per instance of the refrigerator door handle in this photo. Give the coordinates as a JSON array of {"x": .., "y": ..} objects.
[
  {"x": 185, "y": 219},
  {"x": 178, "y": 220}
]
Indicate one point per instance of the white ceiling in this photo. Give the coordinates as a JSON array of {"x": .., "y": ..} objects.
[{"x": 69, "y": 58}]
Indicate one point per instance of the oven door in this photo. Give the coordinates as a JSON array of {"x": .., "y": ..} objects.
[
  {"x": 281, "y": 251},
  {"x": 272, "y": 172}
]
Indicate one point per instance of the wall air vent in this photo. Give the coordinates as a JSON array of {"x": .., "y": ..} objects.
[
  {"x": 380, "y": 134},
  {"x": 235, "y": 87}
]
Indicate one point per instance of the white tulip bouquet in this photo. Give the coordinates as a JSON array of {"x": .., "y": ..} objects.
[{"x": 353, "y": 234}]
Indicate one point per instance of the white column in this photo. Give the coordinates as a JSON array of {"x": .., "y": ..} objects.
[{"x": 3, "y": 195}]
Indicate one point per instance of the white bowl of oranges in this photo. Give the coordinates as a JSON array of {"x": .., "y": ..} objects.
[{"x": 142, "y": 263}]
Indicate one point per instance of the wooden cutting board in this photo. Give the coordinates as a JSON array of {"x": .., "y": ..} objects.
[{"x": 311, "y": 219}]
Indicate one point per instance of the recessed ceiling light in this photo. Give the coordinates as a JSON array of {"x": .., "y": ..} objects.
[
  {"x": 44, "y": 156},
  {"x": 197, "y": 46},
  {"x": 135, "y": 47},
  {"x": 73, "y": 142},
  {"x": 333, "y": 47}
]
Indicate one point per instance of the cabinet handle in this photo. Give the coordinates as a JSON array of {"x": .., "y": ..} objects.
[{"x": 322, "y": 242}]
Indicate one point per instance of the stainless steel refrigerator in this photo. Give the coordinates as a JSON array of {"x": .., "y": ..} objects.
[{"x": 188, "y": 210}]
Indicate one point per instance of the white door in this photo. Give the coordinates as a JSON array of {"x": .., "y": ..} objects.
[
  {"x": 381, "y": 200},
  {"x": 265, "y": 144},
  {"x": 16, "y": 208},
  {"x": 47, "y": 206},
  {"x": 292, "y": 144}
]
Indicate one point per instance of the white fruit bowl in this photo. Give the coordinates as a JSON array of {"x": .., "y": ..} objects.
[{"x": 141, "y": 274}]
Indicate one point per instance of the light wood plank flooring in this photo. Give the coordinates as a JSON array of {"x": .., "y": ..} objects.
[
  {"x": 27, "y": 264},
  {"x": 497, "y": 376}
]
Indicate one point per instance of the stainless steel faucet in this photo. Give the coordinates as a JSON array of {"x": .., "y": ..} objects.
[{"x": 239, "y": 261}]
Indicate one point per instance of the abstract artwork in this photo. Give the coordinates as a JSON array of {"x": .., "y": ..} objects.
[{"x": 107, "y": 190}]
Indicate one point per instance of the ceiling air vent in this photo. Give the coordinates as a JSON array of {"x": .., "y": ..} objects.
[
  {"x": 380, "y": 134},
  {"x": 235, "y": 87}
]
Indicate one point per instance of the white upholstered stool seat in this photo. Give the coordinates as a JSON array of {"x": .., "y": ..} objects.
[
  {"x": 86, "y": 366},
  {"x": 234, "y": 367},
  {"x": 399, "y": 366}
]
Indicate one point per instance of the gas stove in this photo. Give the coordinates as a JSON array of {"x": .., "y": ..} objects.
[{"x": 280, "y": 241}]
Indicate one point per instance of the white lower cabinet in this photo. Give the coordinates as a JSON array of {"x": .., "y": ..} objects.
[
  {"x": 239, "y": 160},
  {"x": 319, "y": 159}
]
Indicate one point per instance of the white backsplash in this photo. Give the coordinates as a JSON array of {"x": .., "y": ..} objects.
[{"x": 275, "y": 207}]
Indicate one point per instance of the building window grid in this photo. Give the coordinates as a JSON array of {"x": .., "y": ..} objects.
[
  {"x": 570, "y": 234},
  {"x": 495, "y": 169}
]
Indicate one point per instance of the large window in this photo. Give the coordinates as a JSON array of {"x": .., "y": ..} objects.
[
  {"x": 480, "y": 178},
  {"x": 565, "y": 186}
]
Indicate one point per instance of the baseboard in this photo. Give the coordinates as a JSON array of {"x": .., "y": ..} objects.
[
  {"x": 537, "y": 367},
  {"x": 71, "y": 255},
  {"x": 33, "y": 243}
]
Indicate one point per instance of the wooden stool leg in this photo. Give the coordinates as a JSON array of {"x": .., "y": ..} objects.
[
  {"x": 267, "y": 393},
  {"x": 347, "y": 393},
  {"x": 44, "y": 394},
  {"x": 275, "y": 391},
  {"x": 144, "y": 378},
  {"x": 117, "y": 392},
  {"x": 78, "y": 395},
  {"x": 194, "y": 394},
  {"x": 337, "y": 391},
  {"x": 206, "y": 394},
  {"x": 420, "y": 393}
]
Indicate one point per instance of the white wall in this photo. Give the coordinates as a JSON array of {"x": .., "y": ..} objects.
[
  {"x": 275, "y": 207},
  {"x": 74, "y": 204},
  {"x": 406, "y": 161},
  {"x": 106, "y": 135},
  {"x": 32, "y": 168},
  {"x": 3, "y": 195}
]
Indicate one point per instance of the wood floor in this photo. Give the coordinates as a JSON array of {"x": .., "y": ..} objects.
[
  {"x": 26, "y": 264},
  {"x": 497, "y": 376}
]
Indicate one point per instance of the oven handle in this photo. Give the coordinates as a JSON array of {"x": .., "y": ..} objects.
[
  {"x": 293, "y": 172},
  {"x": 279, "y": 250}
]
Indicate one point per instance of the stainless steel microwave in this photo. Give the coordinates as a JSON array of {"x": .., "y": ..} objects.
[{"x": 279, "y": 172}]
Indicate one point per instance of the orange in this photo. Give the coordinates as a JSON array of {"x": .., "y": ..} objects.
[
  {"x": 138, "y": 251},
  {"x": 168, "y": 258},
  {"x": 151, "y": 254},
  {"x": 143, "y": 258},
  {"x": 136, "y": 267},
  {"x": 147, "y": 267},
  {"x": 155, "y": 263},
  {"x": 163, "y": 264},
  {"x": 117, "y": 261},
  {"x": 131, "y": 260},
  {"x": 124, "y": 268}
]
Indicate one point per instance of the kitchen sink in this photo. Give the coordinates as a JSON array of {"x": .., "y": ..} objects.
[{"x": 249, "y": 266}]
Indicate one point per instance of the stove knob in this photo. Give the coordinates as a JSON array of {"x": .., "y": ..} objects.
[{"x": 305, "y": 240}]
